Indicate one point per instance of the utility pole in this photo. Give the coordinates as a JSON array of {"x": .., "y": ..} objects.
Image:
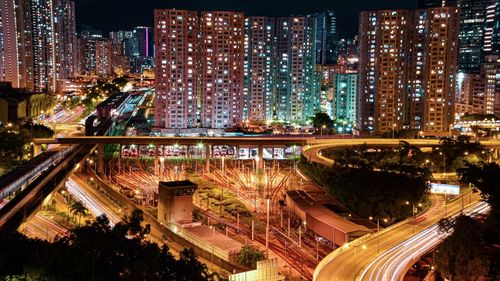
[{"x": 267, "y": 230}]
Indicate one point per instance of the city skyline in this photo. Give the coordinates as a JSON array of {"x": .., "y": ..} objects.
[
  {"x": 95, "y": 13},
  {"x": 249, "y": 140}
]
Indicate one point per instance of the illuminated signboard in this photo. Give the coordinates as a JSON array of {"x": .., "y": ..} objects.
[{"x": 440, "y": 188}]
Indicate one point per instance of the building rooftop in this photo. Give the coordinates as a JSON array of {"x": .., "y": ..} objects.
[
  {"x": 323, "y": 214},
  {"x": 177, "y": 183}
]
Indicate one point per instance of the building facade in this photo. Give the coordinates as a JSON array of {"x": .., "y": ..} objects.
[
  {"x": 38, "y": 43},
  {"x": 297, "y": 99},
  {"x": 176, "y": 81},
  {"x": 221, "y": 81},
  {"x": 325, "y": 38},
  {"x": 345, "y": 92},
  {"x": 103, "y": 57},
  {"x": 260, "y": 86},
  {"x": 408, "y": 65}
]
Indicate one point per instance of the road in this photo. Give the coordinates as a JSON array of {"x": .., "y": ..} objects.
[
  {"x": 361, "y": 253},
  {"x": 393, "y": 264},
  {"x": 42, "y": 227},
  {"x": 346, "y": 263},
  {"x": 92, "y": 199}
]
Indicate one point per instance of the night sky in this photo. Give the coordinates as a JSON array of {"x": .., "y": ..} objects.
[{"x": 124, "y": 14}]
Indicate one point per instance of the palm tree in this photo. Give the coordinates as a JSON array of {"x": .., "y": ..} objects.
[{"x": 78, "y": 209}]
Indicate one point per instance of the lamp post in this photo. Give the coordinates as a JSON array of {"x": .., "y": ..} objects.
[
  {"x": 444, "y": 165},
  {"x": 300, "y": 233},
  {"x": 162, "y": 160},
  {"x": 322, "y": 127},
  {"x": 393, "y": 128},
  {"x": 378, "y": 229},
  {"x": 363, "y": 247},
  {"x": 213, "y": 242},
  {"x": 267, "y": 229}
]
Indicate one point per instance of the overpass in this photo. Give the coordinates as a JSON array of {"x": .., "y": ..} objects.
[
  {"x": 384, "y": 255},
  {"x": 259, "y": 142}
]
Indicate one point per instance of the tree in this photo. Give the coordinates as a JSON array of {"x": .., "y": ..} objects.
[
  {"x": 12, "y": 145},
  {"x": 97, "y": 251},
  {"x": 461, "y": 256},
  {"x": 78, "y": 209},
  {"x": 37, "y": 130},
  {"x": 249, "y": 256},
  {"x": 322, "y": 119}
]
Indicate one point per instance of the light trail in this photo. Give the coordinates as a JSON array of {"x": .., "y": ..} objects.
[
  {"x": 90, "y": 202},
  {"x": 393, "y": 264}
]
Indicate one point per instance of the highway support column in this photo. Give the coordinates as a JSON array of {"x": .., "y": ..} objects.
[
  {"x": 156, "y": 160},
  {"x": 260, "y": 163},
  {"x": 37, "y": 149},
  {"x": 207, "y": 158},
  {"x": 100, "y": 159},
  {"x": 120, "y": 158}
]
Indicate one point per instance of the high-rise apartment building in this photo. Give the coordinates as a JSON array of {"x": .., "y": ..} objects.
[
  {"x": 348, "y": 54},
  {"x": 66, "y": 43},
  {"x": 103, "y": 57},
  {"x": 408, "y": 64},
  {"x": 473, "y": 21},
  {"x": 143, "y": 36},
  {"x": 440, "y": 68},
  {"x": 326, "y": 38},
  {"x": 16, "y": 64},
  {"x": 490, "y": 77},
  {"x": 344, "y": 104},
  {"x": 176, "y": 80},
  {"x": 221, "y": 82},
  {"x": 464, "y": 93},
  {"x": 492, "y": 30},
  {"x": 472, "y": 34},
  {"x": 383, "y": 51},
  {"x": 38, "y": 43},
  {"x": 260, "y": 86},
  {"x": 297, "y": 98}
]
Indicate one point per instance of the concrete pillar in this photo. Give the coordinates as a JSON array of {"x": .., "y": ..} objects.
[
  {"x": 120, "y": 159},
  {"x": 100, "y": 159},
  {"x": 495, "y": 154},
  {"x": 207, "y": 158},
  {"x": 260, "y": 163},
  {"x": 156, "y": 159},
  {"x": 37, "y": 149}
]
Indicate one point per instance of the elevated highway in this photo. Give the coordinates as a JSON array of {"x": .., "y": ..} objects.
[{"x": 384, "y": 255}]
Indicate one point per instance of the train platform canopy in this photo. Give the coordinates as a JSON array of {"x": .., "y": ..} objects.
[{"x": 322, "y": 220}]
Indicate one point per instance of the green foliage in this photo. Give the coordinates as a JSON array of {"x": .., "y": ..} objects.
[
  {"x": 486, "y": 177},
  {"x": 78, "y": 209},
  {"x": 478, "y": 117},
  {"x": 12, "y": 147},
  {"x": 98, "y": 92},
  {"x": 98, "y": 252},
  {"x": 322, "y": 119},
  {"x": 37, "y": 130},
  {"x": 120, "y": 81},
  {"x": 461, "y": 256},
  {"x": 368, "y": 192},
  {"x": 249, "y": 256}
]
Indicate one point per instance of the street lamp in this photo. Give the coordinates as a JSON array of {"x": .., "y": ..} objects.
[
  {"x": 162, "y": 159},
  {"x": 213, "y": 242},
  {"x": 363, "y": 247},
  {"x": 300, "y": 233},
  {"x": 322, "y": 127},
  {"x": 393, "y": 128},
  {"x": 444, "y": 164},
  {"x": 378, "y": 229}
]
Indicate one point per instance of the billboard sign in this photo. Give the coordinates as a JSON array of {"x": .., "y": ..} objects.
[{"x": 439, "y": 188}]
